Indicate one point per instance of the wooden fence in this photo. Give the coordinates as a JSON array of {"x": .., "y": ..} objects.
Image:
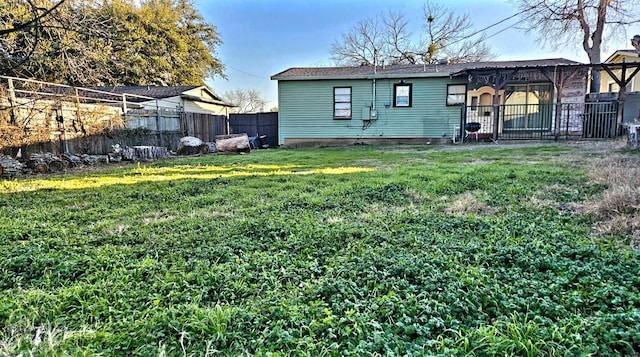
[
  {"x": 205, "y": 126},
  {"x": 64, "y": 133}
]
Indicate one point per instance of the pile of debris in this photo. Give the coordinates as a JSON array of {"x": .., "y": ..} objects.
[
  {"x": 43, "y": 163},
  {"x": 190, "y": 145},
  {"x": 224, "y": 144},
  {"x": 137, "y": 153},
  {"x": 9, "y": 167}
]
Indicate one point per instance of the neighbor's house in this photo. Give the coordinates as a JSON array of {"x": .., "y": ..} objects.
[
  {"x": 421, "y": 103},
  {"x": 190, "y": 99},
  {"x": 608, "y": 84},
  {"x": 194, "y": 110}
]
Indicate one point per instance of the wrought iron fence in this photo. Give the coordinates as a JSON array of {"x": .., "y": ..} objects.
[{"x": 543, "y": 121}]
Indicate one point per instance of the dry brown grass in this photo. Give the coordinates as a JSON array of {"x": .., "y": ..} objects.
[
  {"x": 618, "y": 208},
  {"x": 470, "y": 202}
]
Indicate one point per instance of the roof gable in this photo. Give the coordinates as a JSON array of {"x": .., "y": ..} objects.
[
  {"x": 627, "y": 55},
  {"x": 203, "y": 92}
]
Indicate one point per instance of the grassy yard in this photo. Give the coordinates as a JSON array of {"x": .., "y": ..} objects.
[{"x": 366, "y": 250}]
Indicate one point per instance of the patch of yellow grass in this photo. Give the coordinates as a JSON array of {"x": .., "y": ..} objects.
[
  {"x": 468, "y": 203},
  {"x": 618, "y": 208}
]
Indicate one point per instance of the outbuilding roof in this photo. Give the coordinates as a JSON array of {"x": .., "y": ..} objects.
[
  {"x": 422, "y": 70},
  {"x": 145, "y": 93},
  {"x": 155, "y": 92}
]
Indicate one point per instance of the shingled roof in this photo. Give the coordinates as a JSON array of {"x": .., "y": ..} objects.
[
  {"x": 155, "y": 92},
  {"x": 429, "y": 70}
]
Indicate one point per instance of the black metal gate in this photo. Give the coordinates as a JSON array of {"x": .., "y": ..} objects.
[{"x": 256, "y": 124}]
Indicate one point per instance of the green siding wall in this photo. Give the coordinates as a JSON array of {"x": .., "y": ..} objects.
[{"x": 306, "y": 110}]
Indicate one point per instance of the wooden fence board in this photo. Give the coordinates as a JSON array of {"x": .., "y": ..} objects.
[{"x": 205, "y": 126}]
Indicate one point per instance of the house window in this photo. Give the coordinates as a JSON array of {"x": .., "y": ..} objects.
[
  {"x": 342, "y": 102},
  {"x": 474, "y": 103},
  {"x": 456, "y": 94},
  {"x": 402, "y": 94},
  {"x": 528, "y": 107}
]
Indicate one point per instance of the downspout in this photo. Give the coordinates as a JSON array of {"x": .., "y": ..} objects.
[
  {"x": 375, "y": 72},
  {"x": 373, "y": 104}
]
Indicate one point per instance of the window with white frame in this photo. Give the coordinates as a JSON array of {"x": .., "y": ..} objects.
[
  {"x": 402, "y": 94},
  {"x": 456, "y": 94},
  {"x": 342, "y": 103}
]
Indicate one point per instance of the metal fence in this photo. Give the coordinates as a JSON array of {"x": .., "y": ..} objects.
[
  {"x": 543, "y": 121},
  {"x": 256, "y": 124}
]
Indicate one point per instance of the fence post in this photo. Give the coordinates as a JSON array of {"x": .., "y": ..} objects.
[
  {"x": 558, "y": 117},
  {"x": 78, "y": 115},
  {"x": 566, "y": 132},
  {"x": 257, "y": 124},
  {"x": 159, "y": 130},
  {"x": 496, "y": 117},
  {"x": 124, "y": 103},
  {"x": 12, "y": 101},
  {"x": 463, "y": 122}
]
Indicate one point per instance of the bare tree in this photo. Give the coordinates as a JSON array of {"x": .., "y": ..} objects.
[
  {"x": 451, "y": 37},
  {"x": 562, "y": 23},
  {"x": 361, "y": 44},
  {"x": 386, "y": 38},
  {"x": 246, "y": 101}
]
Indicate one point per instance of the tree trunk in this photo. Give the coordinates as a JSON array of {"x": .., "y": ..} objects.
[
  {"x": 150, "y": 152},
  {"x": 45, "y": 162},
  {"x": 9, "y": 167},
  {"x": 231, "y": 144}
]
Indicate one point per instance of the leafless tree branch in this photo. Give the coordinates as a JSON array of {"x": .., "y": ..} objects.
[{"x": 386, "y": 38}]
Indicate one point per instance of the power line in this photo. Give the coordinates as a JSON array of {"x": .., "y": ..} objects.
[
  {"x": 501, "y": 31},
  {"x": 493, "y": 25},
  {"x": 247, "y": 73}
]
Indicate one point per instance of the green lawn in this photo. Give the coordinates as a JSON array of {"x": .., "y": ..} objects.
[{"x": 365, "y": 250}]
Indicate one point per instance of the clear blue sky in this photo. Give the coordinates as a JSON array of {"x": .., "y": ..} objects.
[{"x": 264, "y": 37}]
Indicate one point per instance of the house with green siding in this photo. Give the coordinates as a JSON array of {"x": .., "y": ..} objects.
[{"x": 400, "y": 103}]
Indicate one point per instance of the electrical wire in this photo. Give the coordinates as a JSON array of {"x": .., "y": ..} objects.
[
  {"x": 247, "y": 73},
  {"x": 501, "y": 31},
  {"x": 493, "y": 25}
]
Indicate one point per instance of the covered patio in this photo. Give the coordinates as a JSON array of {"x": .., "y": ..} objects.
[{"x": 543, "y": 102}]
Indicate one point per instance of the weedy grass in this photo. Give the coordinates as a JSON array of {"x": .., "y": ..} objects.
[
  {"x": 362, "y": 250},
  {"x": 618, "y": 207}
]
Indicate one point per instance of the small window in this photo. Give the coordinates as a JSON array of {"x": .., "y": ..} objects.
[
  {"x": 342, "y": 102},
  {"x": 474, "y": 103},
  {"x": 456, "y": 94},
  {"x": 402, "y": 94}
]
